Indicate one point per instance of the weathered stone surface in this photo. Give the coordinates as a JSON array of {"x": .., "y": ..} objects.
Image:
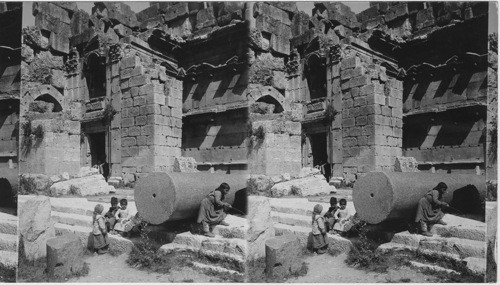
[
  {"x": 40, "y": 182},
  {"x": 300, "y": 23},
  {"x": 307, "y": 186},
  {"x": 185, "y": 164},
  {"x": 35, "y": 225},
  {"x": 205, "y": 18},
  {"x": 260, "y": 226},
  {"x": 57, "y": 78},
  {"x": 32, "y": 36},
  {"x": 308, "y": 171},
  {"x": 79, "y": 22},
  {"x": 84, "y": 186},
  {"x": 87, "y": 171},
  {"x": 64, "y": 255},
  {"x": 283, "y": 255},
  {"x": 259, "y": 184},
  {"x": 41, "y": 107},
  {"x": 406, "y": 164}
]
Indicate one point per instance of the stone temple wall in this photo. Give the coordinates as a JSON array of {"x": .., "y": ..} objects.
[
  {"x": 275, "y": 145},
  {"x": 10, "y": 85}
]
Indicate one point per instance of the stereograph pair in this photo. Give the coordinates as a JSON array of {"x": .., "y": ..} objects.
[{"x": 331, "y": 142}]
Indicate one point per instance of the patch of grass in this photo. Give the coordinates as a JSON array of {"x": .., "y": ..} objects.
[
  {"x": 187, "y": 281},
  {"x": 364, "y": 255},
  {"x": 145, "y": 255},
  {"x": 7, "y": 275},
  {"x": 73, "y": 190}
]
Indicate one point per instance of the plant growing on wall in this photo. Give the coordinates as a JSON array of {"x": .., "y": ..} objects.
[
  {"x": 258, "y": 135},
  {"x": 330, "y": 113},
  {"x": 108, "y": 114},
  {"x": 32, "y": 138}
]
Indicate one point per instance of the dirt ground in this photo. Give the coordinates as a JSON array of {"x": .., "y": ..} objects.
[
  {"x": 107, "y": 268},
  {"x": 326, "y": 268}
]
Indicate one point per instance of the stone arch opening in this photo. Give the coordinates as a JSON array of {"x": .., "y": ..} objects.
[
  {"x": 95, "y": 75},
  {"x": 268, "y": 99},
  {"x": 46, "y": 103}
]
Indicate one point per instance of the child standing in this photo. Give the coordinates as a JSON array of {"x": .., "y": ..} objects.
[
  {"x": 122, "y": 216},
  {"x": 318, "y": 230},
  {"x": 343, "y": 217},
  {"x": 110, "y": 215},
  {"x": 99, "y": 231},
  {"x": 329, "y": 215}
]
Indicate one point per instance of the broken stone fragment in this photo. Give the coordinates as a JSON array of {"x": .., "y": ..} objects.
[
  {"x": 64, "y": 255},
  {"x": 283, "y": 256},
  {"x": 260, "y": 226},
  {"x": 35, "y": 225}
]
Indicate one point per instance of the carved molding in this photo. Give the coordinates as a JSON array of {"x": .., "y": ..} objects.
[
  {"x": 115, "y": 53},
  {"x": 335, "y": 53},
  {"x": 292, "y": 66},
  {"x": 71, "y": 65}
]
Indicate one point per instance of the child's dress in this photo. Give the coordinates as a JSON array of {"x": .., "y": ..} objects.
[
  {"x": 110, "y": 218},
  {"x": 329, "y": 218},
  {"x": 99, "y": 233},
  {"x": 318, "y": 232},
  {"x": 122, "y": 217},
  {"x": 342, "y": 217}
]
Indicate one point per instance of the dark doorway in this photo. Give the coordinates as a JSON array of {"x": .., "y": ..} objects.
[
  {"x": 319, "y": 150},
  {"x": 97, "y": 143}
]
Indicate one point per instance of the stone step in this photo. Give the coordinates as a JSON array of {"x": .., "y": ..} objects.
[
  {"x": 116, "y": 242},
  {"x": 77, "y": 206},
  {"x": 214, "y": 256},
  {"x": 72, "y": 219},
  {"x": 475, "y": 264},
  {"x": 8, "y": 259},
  {"x": 461, "y": 228},
  {"x": 214, "y": 268},
  {"x": 8, "y": 242},
  {"x": 336, "y": 243},
  {"x": 237, "y": 228},
  {"x": 462, "y": 247},
  {"x": 291, "y": 219},
  {"x": 432, "y": 267},
  {"x": 231, "y": 246},
  {"x": 301, "y": 206},
  {"x": 8, "y": 224},
  {"x": 81, "y": 206}
]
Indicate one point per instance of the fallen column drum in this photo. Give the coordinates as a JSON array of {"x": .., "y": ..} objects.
[
  {"x": 161, "y": 197},
  {"x": 382, "y": 196}
]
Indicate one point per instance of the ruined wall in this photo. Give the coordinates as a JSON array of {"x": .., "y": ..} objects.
[
  {"x": 492, "y": 115},
  {"x": 53, "y": 151},
  {"x": 274, "y": 144},
  {"x": 10, "y": 65},
  {"x": 50, "y": 112},
  {"x": 371, "y": 115},
  {"x": 151, "y": 115}
]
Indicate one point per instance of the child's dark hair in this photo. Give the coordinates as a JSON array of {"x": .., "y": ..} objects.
[
  {"x": 343, "y": 202},
  {"x": 123, "y": 202},
  {"x": 333, "y": 200},
  {"x": 114, "y": 200}
]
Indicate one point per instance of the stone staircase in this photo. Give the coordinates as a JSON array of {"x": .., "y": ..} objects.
[
  {"x": 461, "y": 239},
  {"x": 225, "y": 253},
  {"x": 74, "y": 215},
  {"x": 8, "y": 240},
  {"x": 293, "y": 216}
]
